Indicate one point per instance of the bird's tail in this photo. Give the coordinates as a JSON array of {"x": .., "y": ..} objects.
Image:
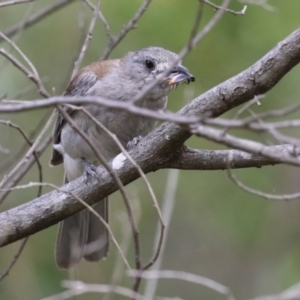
[{"x": 83, "y": 235}]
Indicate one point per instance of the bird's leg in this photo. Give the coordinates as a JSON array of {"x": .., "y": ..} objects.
[
  {"x": 131, "y": 144},
  {"x": 89, "y": 170}
]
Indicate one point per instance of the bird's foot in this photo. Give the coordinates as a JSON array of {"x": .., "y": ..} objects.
[
  {"x": 131, "y": 144},
  {"x": 89, "y": 170}
]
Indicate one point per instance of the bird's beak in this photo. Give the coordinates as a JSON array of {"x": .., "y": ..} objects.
[{"x": 180, "y": 74}]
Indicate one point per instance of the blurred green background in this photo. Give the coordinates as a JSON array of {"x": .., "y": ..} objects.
[{"x": 217, "y": 230}]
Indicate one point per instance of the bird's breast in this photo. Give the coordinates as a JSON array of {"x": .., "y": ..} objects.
[{"x": 124, "y": 125}]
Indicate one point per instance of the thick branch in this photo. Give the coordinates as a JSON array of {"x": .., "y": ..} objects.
[
  {"x": 156, "y": 150},
  {"x": 195, "y": 159}
]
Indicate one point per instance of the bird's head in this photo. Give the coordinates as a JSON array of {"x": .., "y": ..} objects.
[{"x": 145, "y": 66}]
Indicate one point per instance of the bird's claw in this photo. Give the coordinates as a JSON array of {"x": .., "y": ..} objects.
[
  {"x": 131, "y": 144},
  {"x": 89, "y": 170}
]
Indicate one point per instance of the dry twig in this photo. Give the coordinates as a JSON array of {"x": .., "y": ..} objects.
[{"x": 36, "y": 18}]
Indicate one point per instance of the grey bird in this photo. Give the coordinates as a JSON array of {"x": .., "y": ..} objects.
[{"x": 83, "y": 234}]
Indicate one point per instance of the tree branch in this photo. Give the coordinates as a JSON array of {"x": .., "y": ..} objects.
[
  {"x": 154, "y": 151},
  {"x": 195, "y": 159},
  {"x": 40, "y": 15}
]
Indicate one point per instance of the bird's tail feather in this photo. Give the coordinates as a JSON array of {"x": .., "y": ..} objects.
[
  {"x": 98, "y": 235},
  {"x": 82, "y": 235}
]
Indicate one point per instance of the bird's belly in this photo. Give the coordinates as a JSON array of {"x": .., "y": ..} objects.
[{"x": 123, "y": 125}]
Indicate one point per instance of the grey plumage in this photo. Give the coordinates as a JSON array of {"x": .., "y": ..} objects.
[{"x": 83, "y": 235}]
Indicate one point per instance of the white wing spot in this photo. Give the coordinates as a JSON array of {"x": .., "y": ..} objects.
[
  {"x": 118, "y": 161},
  {"x": 59, "y": 148}
]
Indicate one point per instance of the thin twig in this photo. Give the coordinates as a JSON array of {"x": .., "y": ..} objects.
[
  {"x": 20, "y": 130},
  {"x": 18, "y": 33},
  {"x": 41, "y": 135},
  {"x": 207, "y": 28},
  {"x": 11, "y": 160},
  {"x": 34, "y": 73},
  {"x": 26, "y": 90},
  {"x": 196, "y": 25},
  {"x": 291, "y": 293},
  {"x": 167, "y": 212},
  {"x": 270, "y": 128},
  {"x": 125, "y": 243},
  {"x": 23, "y": 69},
  {"x": 281, "y": 138},
  {"x": 103, "y": 20},
  {"x": 126, "y": 106},
  {"x": 263, "y": 3},
  {"x": 255, "y": 126},
  {"x": 245, "y": 145},
  {"x": 189, "y": 277},
  {"x": 36, "y": 18},
  {"x": 12, "y": 2},
  {"x": 283, "y": 197},
  {"x": 129, "y": 26},
  {"x": 9, "y": 178},
  {"x": 23, "y": 243},
  {"x": 76, "y": 288},
  {"x": 87, "y": 40},
  {"x": 274, "y": 113},
  {"x": 244, "y": 108},
  {"x": 15, "y": 258},
  {"x": 234, "y": 12},
  {"x": 23, "y": 168}
]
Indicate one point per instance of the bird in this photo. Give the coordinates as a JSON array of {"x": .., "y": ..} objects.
[{"x": 83, "y": 235}]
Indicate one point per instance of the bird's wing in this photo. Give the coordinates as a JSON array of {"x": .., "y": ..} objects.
[{"x": 79, "y": 86}]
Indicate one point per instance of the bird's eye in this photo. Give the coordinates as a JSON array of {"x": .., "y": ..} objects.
[{"x": 150, "y": 65}]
